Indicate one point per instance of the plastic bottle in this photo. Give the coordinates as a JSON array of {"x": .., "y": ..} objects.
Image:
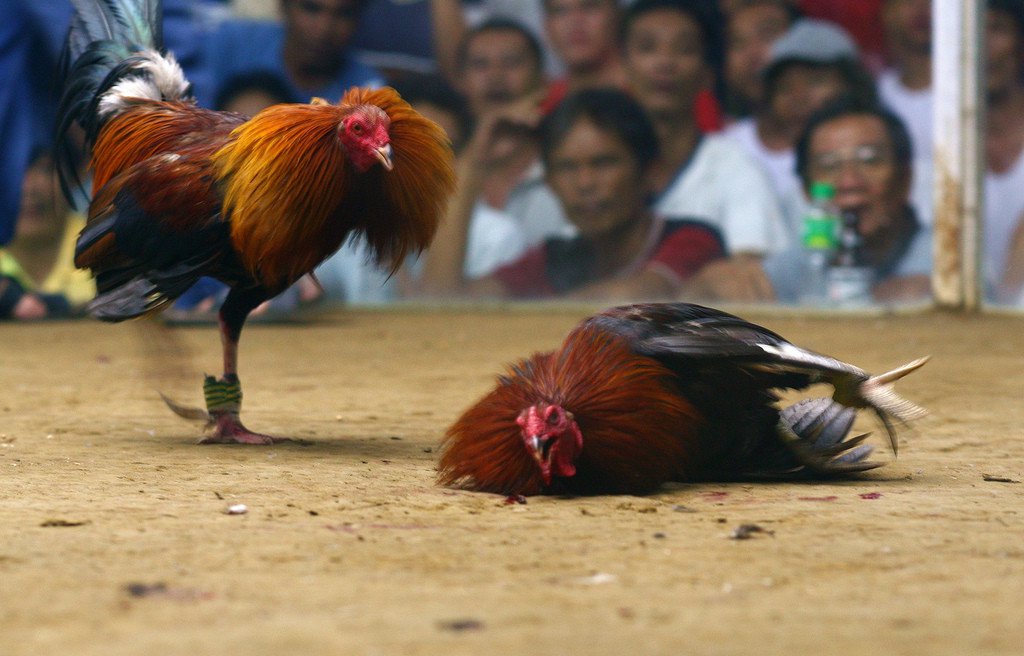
[
  {"x": 819, "y": 243},
  {"x": 849, "y": 277}
]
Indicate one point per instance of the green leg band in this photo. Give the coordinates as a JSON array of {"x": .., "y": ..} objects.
[{"x": 223, "y": 395}]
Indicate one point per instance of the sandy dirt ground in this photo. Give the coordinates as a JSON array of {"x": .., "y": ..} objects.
[{"x": 114, "y": 537}]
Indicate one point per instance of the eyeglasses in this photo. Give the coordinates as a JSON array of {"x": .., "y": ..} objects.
[{"x": 867, "y": 158}]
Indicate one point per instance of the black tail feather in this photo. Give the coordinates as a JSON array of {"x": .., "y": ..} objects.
[
  {"x": 134, "y": 23},
  {"x": 143, "y": 294},
  {"x": 103, "y": 34}
]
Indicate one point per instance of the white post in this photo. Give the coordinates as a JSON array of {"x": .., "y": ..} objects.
[{"x": 957, "y": 78}]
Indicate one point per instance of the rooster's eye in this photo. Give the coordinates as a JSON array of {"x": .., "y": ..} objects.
[{"x": 357, "y": 128}]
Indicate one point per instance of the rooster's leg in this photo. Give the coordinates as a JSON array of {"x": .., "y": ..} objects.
[{"x": 224, "y": 395}]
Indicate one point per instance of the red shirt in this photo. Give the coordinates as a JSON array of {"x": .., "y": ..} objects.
[
  {"x": 862, "y": 19},
  {"x": 677, "y": 250}
]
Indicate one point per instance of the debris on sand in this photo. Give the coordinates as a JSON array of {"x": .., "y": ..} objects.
[
  {"x": 460, "y": 625},
  {"x": 162, "y": 590},
  {"x": 597, "y": 578},
  {"x": 747, "y": 531},
  {"x": 63, "y": 523},
  {"x": 997, "y": 479},
  {"x": 515, "y": 498},
  {"x": 145, "y": 589},
  {"x": 236, "y": 509}
]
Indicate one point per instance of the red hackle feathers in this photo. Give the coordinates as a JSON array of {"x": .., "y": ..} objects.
[
  {"x": 405, "y": 204},
  {"x": 151, "y": 128},
  {"x": 293, "y": 198},
  {"x": 637, "y": 430},
  {"x": 284, "y": 177}
]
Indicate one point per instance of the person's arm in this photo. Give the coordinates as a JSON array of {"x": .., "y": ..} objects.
[
  {"x": 646, "y": 285},
  {"x": 19, "y": 304},
  {"x": 914, "y": 287},
  {"x": 449, "y": 25},
  {"x": 740, "y": 278},
  {"x": 1012, "y": 280},
  {"x": 682, "y": 253},
  {"x": 445, "y": 260}
]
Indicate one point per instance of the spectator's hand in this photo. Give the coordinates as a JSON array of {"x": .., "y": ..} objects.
[
  {"x": 310, "y": 290},
  {"x": 499, "y": 133},
  {"x": 903, "y": 288},
  {"x": 740, "y": 278},
  {"x": 29, "y": 308}
]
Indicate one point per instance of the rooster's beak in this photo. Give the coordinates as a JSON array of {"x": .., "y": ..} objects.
[
  {"x": 384, "y": 155},
  {"x": 537, "y": 451}
]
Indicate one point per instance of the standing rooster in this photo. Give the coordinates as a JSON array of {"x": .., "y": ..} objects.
[
  {"x": 181, "y": 192},
  {"x": 644, "y": 394}
]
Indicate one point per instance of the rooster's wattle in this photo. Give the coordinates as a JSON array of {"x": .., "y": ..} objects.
[
  {"x": 182, "y": 192},
  {"x": 643, "y": 394}
]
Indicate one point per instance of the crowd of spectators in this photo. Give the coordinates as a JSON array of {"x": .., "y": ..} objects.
[{"x": 605, "y": 149}]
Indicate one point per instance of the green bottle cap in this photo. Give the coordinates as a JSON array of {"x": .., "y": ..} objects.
[{"x": 823, "y": 191}]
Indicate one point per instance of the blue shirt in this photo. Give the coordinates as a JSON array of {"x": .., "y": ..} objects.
[
  {"x": 397, "y": 34},
  {"x": 20, "y": 131},
  {"x": 245, "y": 46}
]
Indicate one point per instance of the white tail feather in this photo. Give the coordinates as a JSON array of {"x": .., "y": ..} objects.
[{"x": 162, "y": 79}]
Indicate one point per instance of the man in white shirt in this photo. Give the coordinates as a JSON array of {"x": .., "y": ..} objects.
[
  {"x": 906, "y": 87},
  {"x": 666, "y": 52},
  {"x": 811, "y": 65},
  {"x": 1002, "y": 261}
]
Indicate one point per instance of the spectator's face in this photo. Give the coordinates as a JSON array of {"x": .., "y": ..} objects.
[
  {"x": 752, "y": 30},
  {"x": 499, "y": 68},
  {"x": 664, "y": 56},
  {"x": 854, "y": 153},
  {"x": 801, "y": 89},
  {"x": 1003, "y": 43},
  {"x": 320, "y": 30},
  {"x": 596, "y": 178},
  {"x": 43, "y": 207},
  {"x": 583, "y": 32},
  {"x": 908, "y": 24}
]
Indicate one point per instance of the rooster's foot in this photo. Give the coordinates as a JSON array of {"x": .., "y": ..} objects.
[
  {"x": 223, "y": 402},
  {"x": 228, "y": 429}
]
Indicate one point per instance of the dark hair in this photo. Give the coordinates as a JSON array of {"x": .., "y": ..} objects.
[
  {"x": 899, "y": 138},
  {"x": 704, "y": 13},
  {"x": 792, "y": 11},
  {"x": 610, "y": 110},
  {"x": 858, "y": 80},
  {"x": 264, "y": 81},
  {"x": 357, "y": 10},
  {"x": 1015, "y": 9},
  {"x": 546, "y": 4},
  {"x": 501, "y": 24}
]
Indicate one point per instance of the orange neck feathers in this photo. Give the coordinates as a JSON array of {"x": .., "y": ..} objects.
[
  {"x": 284, "y": 176},
  {"x": 637, "y": 431},
  {"x": 293, "y": 197},
  {"x": 152, "y": 128},
  {"x": 409, "y": 200}
]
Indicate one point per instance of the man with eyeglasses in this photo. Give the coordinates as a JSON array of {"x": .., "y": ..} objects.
[{"x": 864, "y": 151}]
